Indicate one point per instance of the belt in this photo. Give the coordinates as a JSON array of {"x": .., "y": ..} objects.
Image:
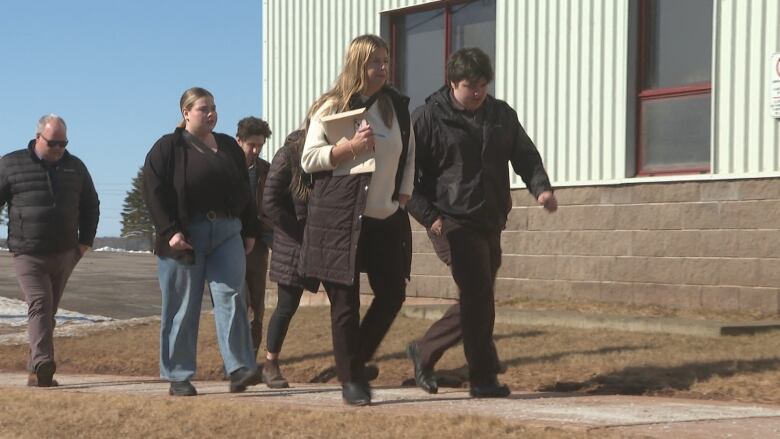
[{"x": 211, "y": 215}]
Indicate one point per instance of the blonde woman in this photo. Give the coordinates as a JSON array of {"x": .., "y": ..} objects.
[
  {"x": 196, "y": 186},
  {"x": 356, "y": 222}
]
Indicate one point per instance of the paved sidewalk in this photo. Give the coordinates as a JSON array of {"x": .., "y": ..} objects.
[{"x": 628, "y": 416}]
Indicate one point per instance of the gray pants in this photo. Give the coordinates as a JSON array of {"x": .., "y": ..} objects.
[{"x": 42, "y": 279}]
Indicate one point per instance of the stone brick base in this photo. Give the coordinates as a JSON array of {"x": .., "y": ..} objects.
[{"x": 710, "y": 245}]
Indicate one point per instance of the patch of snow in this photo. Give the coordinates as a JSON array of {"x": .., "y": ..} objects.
[
  {"x": 120, "y": 250},
  {"x": 13, "y": 312},
  {"x": 79, "y": 329}
]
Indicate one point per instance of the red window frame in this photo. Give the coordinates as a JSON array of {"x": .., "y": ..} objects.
[
  {"x": 394, "y": 15},
  {"x": 644, "y": 95}
]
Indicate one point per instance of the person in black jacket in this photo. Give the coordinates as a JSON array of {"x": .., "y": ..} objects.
[
  {"x": 284, "y": 201},
  {"x": 196, "y": 186},
  {"x": 356, "y": 220},
  {"x": 53, "y": 212},
  {"x": 251, "y": 135},
  {"x": 465, "y": 138}
]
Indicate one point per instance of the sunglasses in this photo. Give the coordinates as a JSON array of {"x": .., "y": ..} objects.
[{"x": 54, "y": 143}]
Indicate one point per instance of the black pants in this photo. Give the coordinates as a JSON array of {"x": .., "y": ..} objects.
[
  {"x": 256, "y": 270},
  {"x": 289, "y": 297},
  {"x": 382, "y": 256},
  {"x": 445, "y": 332},
  {"x": 442, "y": 335},
  {"x": 475, "y": 257}
]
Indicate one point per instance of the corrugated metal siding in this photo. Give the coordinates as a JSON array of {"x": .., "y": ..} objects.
[
  {"x": 562, "y": 66},
  {"x": 746, "y": 138},
  {"x": 304, "y": 44}
]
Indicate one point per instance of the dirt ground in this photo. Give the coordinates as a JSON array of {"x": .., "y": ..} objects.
[
  {"x": 99, "y": 416},
  {"x": 744, "y": 368},
  {"x": 634, "y": 310}
]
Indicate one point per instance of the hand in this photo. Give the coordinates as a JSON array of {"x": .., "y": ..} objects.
[
  {"x": 83, "y": 248},
  {"x": 177, "y": 242},
  {"x": 363, "y": 140},
  {"x": 249, "y": 244},
  {"x": 402, "y": 200},
  {"x": 548, "y": 200},
  {"x": 437, "y": 226}
]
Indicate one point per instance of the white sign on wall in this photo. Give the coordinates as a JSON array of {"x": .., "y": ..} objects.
[{"x": 774, "y": 87}]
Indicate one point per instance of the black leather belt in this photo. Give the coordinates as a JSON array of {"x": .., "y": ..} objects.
[{"x": 212, "y": 215}]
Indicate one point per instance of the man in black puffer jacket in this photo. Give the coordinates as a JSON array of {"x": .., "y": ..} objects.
[{"x": 53, "y": 213}]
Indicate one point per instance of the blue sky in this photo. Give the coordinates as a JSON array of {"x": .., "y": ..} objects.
[{"x": 115, "y": 72}]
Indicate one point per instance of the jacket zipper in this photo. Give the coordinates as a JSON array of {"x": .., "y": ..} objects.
[{"x": 51, "y": 189}]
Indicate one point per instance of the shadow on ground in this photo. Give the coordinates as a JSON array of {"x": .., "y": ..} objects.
[
  {"x": 453, "y": 378},
  {"x": 656, "y": 380}
]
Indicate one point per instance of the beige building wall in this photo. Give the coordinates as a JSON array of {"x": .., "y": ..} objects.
[
  {"x": 691, "y": 245},
  {"x": 746, "y": 140},
  {"x": 694, "y": 242}
]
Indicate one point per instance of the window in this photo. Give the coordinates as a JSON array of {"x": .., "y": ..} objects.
[
  {"x": 675, "y": 86},
  {"x": 423, "y": 37}
]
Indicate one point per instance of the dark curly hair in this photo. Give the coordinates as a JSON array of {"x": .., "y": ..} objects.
[{"x": 252, "y": 126}]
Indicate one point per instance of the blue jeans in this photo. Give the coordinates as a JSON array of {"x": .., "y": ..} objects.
[{"x": 220, "y": 261}]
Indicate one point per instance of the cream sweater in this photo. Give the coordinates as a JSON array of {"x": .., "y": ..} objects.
[{"x": 316, "y": 157}]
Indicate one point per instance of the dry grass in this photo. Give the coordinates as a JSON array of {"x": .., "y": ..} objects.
[
  {"x": 591, "y": 307},
  {"x": 100, "y": 416},
  {"x": 745, "y": 368}
]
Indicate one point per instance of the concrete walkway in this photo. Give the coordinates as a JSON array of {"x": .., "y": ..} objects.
[{"x": 627, "y": 416}]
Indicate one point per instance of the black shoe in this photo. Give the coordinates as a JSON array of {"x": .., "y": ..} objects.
[
  {"x": 370, "y": 372},
  {"x": 242, "y": 378},
  {"x": 490, "y": 389},
  {"x": 32, "y": 381},
  {"x": 182, "y": 388},
  {"x": 422, "y": 376},
  {"x": 357, "y": 394},
  {"x": 44, "y": 373}
]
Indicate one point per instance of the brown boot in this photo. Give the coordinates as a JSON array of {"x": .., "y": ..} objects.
[{"x": 272, "y": 376}]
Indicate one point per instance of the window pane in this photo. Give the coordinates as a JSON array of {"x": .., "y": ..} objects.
[
  {"x": 420, "y": 53},
  {"x": 676, "y": 132},
  {"x": 474, "y": 25},
  {"x": 678, "y": 43}
]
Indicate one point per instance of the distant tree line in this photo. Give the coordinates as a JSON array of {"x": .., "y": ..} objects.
[{"x": 136, "y": 220}]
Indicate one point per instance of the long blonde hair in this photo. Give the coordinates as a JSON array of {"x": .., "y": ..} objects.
[
  {"x": 352, "y": 80},
  {"x": 188, "y": 99}
]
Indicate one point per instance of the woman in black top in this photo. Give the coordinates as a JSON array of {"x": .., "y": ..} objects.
[{"x": 197, "y": 189}]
